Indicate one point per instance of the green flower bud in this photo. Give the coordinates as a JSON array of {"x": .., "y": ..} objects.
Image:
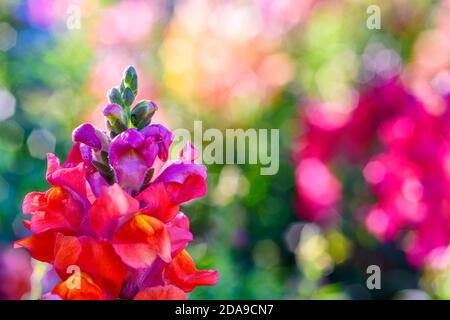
[
  {"x": 130, "y": 79},
  {"x": 115, "y": 97},
  {"x": 142, "y": 113},
  {"x": 112, "y": 133},
  {"x": 122, "y": 87},
  {"x": 116, "y": 118},
  {"x": 128, "y": 97},
  {"x": 129, "y": 74}
]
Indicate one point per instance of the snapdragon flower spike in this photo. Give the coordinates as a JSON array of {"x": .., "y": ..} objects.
[
  {"x": 116, "y": 120},
  {"x": 113, "y": 211}
]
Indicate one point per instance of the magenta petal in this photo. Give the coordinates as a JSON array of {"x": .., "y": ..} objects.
[
  {"x": 50, "y": 296},
  {"x": 131, "y": 155},
  {"x": 113, "y": 110},
  {"x": 90, "y": 136},
  {"x": 80, "y": 153},
  {"x": 179, "y": 171},
  {"x": 162, "y": 136},
  {"x": 142, "y": 278},
  {"x": 97, "y": 183},
  {"x": 184, "y": 181}
]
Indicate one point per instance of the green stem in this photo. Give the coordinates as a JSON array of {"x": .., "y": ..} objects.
[{"x": 128, "y": 114}]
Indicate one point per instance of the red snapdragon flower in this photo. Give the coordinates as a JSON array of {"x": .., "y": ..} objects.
[{"x": 113, "y": 210}]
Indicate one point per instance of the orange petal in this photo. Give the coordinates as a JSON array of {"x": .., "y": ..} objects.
[
  {"x": 183, "y": 273},
  {"x": 41, "y": 246},
  {"x": 61, "y": 211},
  {"x": 79, "y": 286},
  {"x": 140, "y": 240},
  {"x": 94, "y": 257}
]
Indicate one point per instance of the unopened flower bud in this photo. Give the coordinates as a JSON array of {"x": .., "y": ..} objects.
[
  {"x": 129, "y": 74},
  {"x": 130, "y": 79},
  {"x": 122, "y": 87},
  {"x": 116, "y": 118},
  {"x": 128, "y": 97},
  {"x": 114, "y": 96},
  {"x": 142, "y": 113}
]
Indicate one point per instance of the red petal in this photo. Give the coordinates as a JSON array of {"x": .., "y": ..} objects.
[
  {"x": 41, "y": 246},
  {"x": 182, "y": 273},
  {"x": 106, "y": 211},
  {"x": 52, "y": 164},
  {"x": 33, "y": 202},
  {"x": 74, "y": 157},
  {"x": 72, "y": 179},
  {"x": 62, "y": 211},
  {"x": 158, "y": 202},
  {"x": 184, "y": 181},
  {"x": 94, "y": 257},
  {"x": 192, "y": 188},
  {"x": 161, "y": 293},
  {"x": 140, "y": 240},
  {"x": 179, "y": 233},
  {"x": 79, "y": 287}
]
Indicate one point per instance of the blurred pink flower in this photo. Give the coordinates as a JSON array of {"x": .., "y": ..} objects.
[
  {"x": 396, "y": 182},
  {"x": 15, "y": 273},
  {"x": 127, "y": 22},
  {"x": 377, "y": 105},
  {"x": 318, "y": 190},
  {"x": 322, "y": 127},
  {"x": 402, "y": 151},
  {"x": 281, "y": 15}
]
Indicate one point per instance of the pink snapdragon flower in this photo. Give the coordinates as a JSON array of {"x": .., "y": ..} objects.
[{"x": 403, "y": 153}]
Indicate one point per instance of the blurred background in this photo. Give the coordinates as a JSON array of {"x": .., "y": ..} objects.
[{"x": 362, "y": 106}]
